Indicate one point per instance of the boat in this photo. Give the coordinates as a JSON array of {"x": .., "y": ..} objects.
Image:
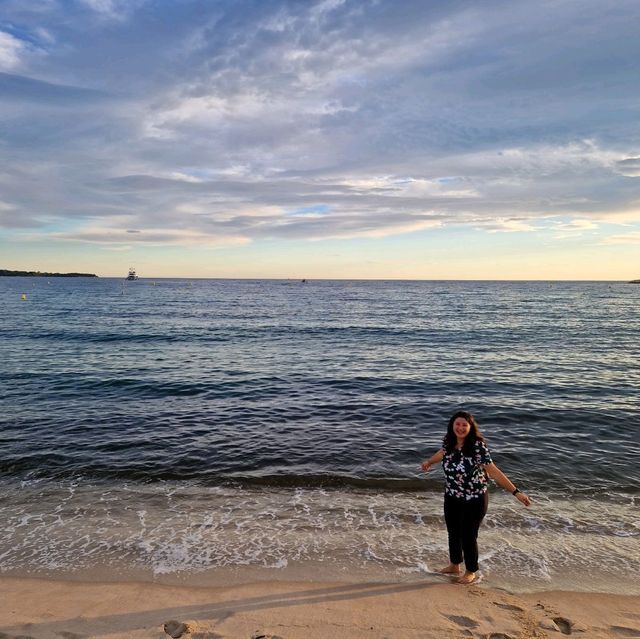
[{"x": 132, "y": 274}]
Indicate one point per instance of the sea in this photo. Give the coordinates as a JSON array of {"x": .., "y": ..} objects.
[{"x": 210, "y": 431}]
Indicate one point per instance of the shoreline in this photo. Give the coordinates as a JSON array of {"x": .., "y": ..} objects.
[
  {"x": 183, "y": 533},
  {"x": 43, "y": 608},
  {"x": 334, "y": 572}
]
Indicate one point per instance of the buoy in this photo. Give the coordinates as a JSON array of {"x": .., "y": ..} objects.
[{"x": 24, "y": 297}]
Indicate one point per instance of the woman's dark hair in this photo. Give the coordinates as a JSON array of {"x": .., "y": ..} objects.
[{"x": 470, "y": 440}]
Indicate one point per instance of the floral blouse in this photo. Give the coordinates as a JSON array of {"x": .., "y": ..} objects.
[{"x": 464, "y": 476}]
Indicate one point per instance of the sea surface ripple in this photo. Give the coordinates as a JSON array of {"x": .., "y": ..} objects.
[{"x": 306, "y": 399}]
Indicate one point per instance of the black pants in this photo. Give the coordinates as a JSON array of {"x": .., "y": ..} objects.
[{"x": 463, "y": 519}]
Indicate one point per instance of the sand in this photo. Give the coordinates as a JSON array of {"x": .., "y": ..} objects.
[{"x": 43, "y": 609}]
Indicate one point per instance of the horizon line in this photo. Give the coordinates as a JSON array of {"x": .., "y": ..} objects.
[{"x": 338, "y": 279}]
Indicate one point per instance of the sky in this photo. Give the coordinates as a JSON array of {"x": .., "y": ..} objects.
[{"x": 384, "y": 139}]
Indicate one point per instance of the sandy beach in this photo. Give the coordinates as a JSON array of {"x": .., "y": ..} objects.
[{"x": 48, "y": 609}]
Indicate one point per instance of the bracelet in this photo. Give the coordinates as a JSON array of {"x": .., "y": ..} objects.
[{"x": 515, "y": 492}]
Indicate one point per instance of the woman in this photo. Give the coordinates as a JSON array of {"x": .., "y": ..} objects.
[{"x": 466, "y": 463}]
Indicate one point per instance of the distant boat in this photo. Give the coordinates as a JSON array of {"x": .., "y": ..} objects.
[{"x": 132, "y": 274}]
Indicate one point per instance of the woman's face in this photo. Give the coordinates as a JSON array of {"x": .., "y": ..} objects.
[{"x": 461, "y": 427}]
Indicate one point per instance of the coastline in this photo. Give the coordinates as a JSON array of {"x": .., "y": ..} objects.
[
  {"x": 43, "y": 608},
  {"x": 179, "y": 533},
  {"x": 8, "y": 273}
]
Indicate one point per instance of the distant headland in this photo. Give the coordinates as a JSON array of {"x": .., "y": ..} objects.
[
  {"x": 5, "y": 272},
  {"x": 634, "y": 282}
]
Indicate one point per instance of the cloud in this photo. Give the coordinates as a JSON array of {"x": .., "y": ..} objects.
[
  {"x": 577, "y": 226},
  {"x": 180, "y": 237},
  {"x": 500, "y": 225},
  {"x": 628, "y": 238},
  {"x": 211, "y": 126},
  {"x": 113, "y": 9},
  {"x": 19, "y": 88},
  {"x": 629, "y": 167},
  {"x": 11, "y": 51},
  {"x": 573, "y": 228}
]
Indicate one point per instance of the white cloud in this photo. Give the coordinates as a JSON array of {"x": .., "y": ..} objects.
[
  {"x": 629, "y": 238},
  {"x": 185, "y": 177},
  {"x": 629, "y": 167},
  {"x": 335, "y": 232},
  {"x": 156, "y": 237},
  {"x": 45, "y": 36},
  {"x": 573, "y": 228},
  {"x": 501, "y": 225},
  {"x": 625, "y": 216},
  {"x": 577, "y": 226},
  {"x": 116, "y": 10},
  {"x": 12, "y": 50}
]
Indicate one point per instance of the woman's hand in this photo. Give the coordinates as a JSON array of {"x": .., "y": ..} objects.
[
  {"x": 503, "y": 481},
  {"x": 436, "y": 458}
]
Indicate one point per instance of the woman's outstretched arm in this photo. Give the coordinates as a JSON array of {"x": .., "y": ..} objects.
[
  {"x": 436, "y": 458},
  {"x": 504, "y": 482}
]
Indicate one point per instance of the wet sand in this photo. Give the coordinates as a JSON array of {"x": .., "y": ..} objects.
[{"x": 51, "y": 609}]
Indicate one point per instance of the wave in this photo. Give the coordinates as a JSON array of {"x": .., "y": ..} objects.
[
  {"x": 252, "y": 386},
  {"x": 185, "y": 527},
  {"x": 197, "y": 332},
  {"x": 33, "y": 469}
]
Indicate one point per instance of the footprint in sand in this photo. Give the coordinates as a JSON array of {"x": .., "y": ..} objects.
[
  {"x": 506, "y": 606},
  {"x": 564, "y": 624},
  {"x": 624, "y": 631},
  {"x": 175, "y": 628},
  {"x": 465, "y": 622},
  {"x": 498, "y": 635},
  {"x": 65, "y": 634}
]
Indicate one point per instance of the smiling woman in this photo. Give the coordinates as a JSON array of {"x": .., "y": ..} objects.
[{"x": 466, "y": 462}]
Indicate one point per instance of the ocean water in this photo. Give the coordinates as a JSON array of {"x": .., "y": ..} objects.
[{"x": 200, "y": 429}]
